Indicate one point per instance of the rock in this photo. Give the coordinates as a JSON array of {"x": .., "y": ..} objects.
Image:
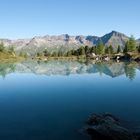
[
  {"x": 108, "y": 127},
  {"x": 64, "y": 42},
  {"x": 137, "y": 59}
]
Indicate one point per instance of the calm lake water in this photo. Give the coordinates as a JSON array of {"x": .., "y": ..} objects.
[{"x": 52, "y": 100}]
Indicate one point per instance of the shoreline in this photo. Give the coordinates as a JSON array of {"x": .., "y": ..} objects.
[{"x": 98, "y": 58}]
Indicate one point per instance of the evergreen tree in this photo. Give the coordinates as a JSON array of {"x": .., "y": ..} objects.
[
  {"x": 72, "y": 52},
  {"x": 139, "y": 49},
  {"x": 54, "y": 54},
  {"x": 110, "y": 49},
  {"x": 107, "y": 50},
  {"x": 126, "y": 48},
  {"x": 76, "y": 52},
  {"x": 100, "y": 48},
  {"x": 86, "y": 50},
  {"x": 46, "y": 52},
  {"x": 130, "y": 45},
  {"x": 81, "y": 51},
  {"x": 93, "y": 49},
  {"x": 39, "y": 54},
  {"x": 119, "y": 49},
  {"x": 2, "y": 48},
  {"x": 69, "y": 53}
]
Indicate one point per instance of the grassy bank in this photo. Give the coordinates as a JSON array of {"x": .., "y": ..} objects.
[{"x": 10, "y": 57}]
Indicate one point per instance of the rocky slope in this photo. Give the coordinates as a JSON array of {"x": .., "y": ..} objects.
[{"x": 64, "y": 42}]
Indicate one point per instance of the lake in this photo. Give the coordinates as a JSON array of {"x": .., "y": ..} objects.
[{"x": 52, "y": 100}]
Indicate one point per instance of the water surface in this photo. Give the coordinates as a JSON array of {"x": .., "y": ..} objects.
[{"x": 52, "y": 100}]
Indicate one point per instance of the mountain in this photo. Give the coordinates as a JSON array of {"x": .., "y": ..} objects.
[
  {"x": 64, "y": 42},
  {"x": 114, "y": 38}
]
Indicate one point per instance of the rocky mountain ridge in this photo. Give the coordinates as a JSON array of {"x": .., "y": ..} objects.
[{"x": 65, "y": 42}]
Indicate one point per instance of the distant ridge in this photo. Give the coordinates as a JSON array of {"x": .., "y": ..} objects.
[{"x": 65, "y": 42}]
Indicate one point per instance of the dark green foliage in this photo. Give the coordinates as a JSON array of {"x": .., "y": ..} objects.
[
  {"x": 69, "y": 53},
  {"x": 54, "y": 54},
  {"x": 125, "y": 48},
  {"x": 11, "y": 49},
  {"x": 100, "y": 48},
  {"x": 2, "y": 48},
  {"x": 46, "y": 52},
  {"x": 130, "y": 45},
  {"x": 119, "y": 49},
  {"x": 139, "y": 49},
  {"x": 87, "y": 49},
  {"x": 21, "y": 54},
  {"x": 109, "y": 50},
  {"x": 82, "y": 51},
  {"x": 93, "y": 49},
  {"x": 106, "y": 50},
  {"x": 39, "y": 54}
]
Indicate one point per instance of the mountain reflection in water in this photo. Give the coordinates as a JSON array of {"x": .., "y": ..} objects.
[{"x": 62, "y": 67}]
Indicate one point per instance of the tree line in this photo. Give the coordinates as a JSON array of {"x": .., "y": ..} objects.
[
  {"x": 130, "y": 46},
  {"x": 100, "y": 49}
]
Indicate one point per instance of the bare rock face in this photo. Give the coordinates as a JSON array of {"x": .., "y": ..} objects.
[
  {"x": 115, "y": 39},
  {"x": 65, "y": 42},
  {"x": 108, "y": 127}
]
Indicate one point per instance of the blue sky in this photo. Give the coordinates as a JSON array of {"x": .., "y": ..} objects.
[{"x": 28, "y": 18}]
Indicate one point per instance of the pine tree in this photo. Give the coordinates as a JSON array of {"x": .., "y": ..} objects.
[
  {"x": 100, "y": 48},
  {"x": 69, "y": 53},
  {"x": 2, "y": 48},
  {"x": 86, "y": 50},
  {"x": 110, "y": 49},
  {"x": 46, "y": 53},
  {"x": 139, "y": 49},
  {"x": 119, "y": 49},
  {"x": 82, "y": 51},
  {"x": 107, "y": 50},
  {"x": 126, "y": 48},
  {"x": 130, "y": 45}
]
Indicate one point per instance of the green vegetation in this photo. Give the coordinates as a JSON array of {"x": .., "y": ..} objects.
[
  {"x": 119, "y": 49},
  {"x": 109, "y": 50},
  {"x": 138, "y": 48},
  {"x": 130, "y": 45},
  {"x": 101, "y": 51},
  {"x": 8, "y": 54},
  {"x": 2, "y": 48}
]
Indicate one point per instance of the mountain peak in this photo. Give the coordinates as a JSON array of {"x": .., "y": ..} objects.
[
  {"x": 56, "y": 42},
  {"x": 114, "y": 38},
  {"x": 115, "y": 33}
]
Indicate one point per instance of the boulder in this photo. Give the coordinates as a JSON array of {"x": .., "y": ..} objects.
[{"x": 108, "y": 127}]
